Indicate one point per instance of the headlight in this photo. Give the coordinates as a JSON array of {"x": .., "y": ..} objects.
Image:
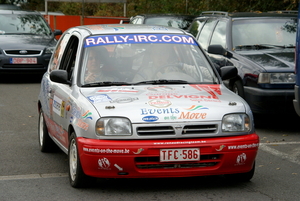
[
  {"x": 49, "y": 50},
  {"x": 236, "y": 123},
  {"x": 276, "y": 78},
  {"x": 113, "y": 126}
]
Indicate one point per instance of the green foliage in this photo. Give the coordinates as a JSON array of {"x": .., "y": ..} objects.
[{"x": 134, "y": 7}]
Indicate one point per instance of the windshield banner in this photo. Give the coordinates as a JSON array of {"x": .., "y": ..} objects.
[{"x": 138, "y": 38}]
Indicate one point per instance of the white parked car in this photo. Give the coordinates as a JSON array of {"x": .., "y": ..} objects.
[{"x": 128, "y": 101}]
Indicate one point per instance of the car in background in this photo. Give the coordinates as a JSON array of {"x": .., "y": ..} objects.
[
  {"x": 51, "y": 13},
  {"x": 120, "y": 108},
  {"x": 296, "y": 101},
  {"x": 261, "y": 46},
  {"x": 173, "y": 20},
  {"x": 9, "y": 7},
  {"x": 26, "y": 42}
]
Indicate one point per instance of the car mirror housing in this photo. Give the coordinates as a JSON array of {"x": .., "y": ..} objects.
[
  {"x": 57, "y": 32},
  {"x": 218, "y": 49},
  {"x": 59, "y": 76},
  {"x": 228, "y": 72}
]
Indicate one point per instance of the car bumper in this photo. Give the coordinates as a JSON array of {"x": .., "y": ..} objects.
[
  {"x": 268, "y": 101},
  {"x": 38, "y": 68},
  {"x": 132, "y": 159}
]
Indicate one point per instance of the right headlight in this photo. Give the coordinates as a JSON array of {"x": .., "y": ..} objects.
[
  {"x": 276, "y": 78},
  {"x": 113, "y": 126},
  {"x": 236, "y": 123}
]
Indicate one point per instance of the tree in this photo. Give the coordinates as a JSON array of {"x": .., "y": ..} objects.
[{"x": 134, "y": 7}]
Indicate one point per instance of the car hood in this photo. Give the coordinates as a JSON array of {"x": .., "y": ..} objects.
[
  {"x": 26, "y": 42},
  {"x": 165, "y": 103},
  {"x": 271, "y": 59}
]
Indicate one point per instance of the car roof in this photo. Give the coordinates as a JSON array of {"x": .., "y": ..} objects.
[
  {"x": 97, "y": 29},
  {"x": 250, "y": 14},
  {"x": 166, "y": 15}
]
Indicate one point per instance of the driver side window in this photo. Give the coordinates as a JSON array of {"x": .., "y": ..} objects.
[{"x": 69, "y": 57}]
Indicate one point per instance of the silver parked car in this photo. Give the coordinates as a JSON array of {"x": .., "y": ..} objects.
[{"x": 127, "y": 101}]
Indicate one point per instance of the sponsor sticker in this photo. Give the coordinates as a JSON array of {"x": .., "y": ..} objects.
[
  {"x": 138, "y": 38},
  {"x": 150, "y": 118},
  {"x": 159, "y": 103},
  {"x": 241, "y": 159},
  {"x": 99, "y": 98}
]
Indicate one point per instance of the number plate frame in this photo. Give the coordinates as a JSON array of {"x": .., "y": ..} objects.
[
  {"x": 21, "y": 60},
  {"x": 182, "y": 154}
]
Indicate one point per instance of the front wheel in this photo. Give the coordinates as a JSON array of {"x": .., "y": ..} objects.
[
  {"x": 76, "y": 175},
  {"x": 238, "y": 88}
]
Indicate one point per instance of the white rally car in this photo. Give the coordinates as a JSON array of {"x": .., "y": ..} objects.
[{"x": 132, "y": 101}]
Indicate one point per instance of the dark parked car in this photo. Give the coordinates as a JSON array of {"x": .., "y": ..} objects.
[
  {"x": 172, "y": 20},
  {"x": 296, "y": 101},
  {"x": 261, "y": 46},
  {"x": 9, "y": 7},
  {"x": 26, "y": 42}
]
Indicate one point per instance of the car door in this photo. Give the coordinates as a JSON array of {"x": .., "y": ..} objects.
[{"x": 62, "y": 94}]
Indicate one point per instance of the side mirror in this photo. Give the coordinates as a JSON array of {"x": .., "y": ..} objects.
[
  {"x": 57, "y": 32},
  {"x": 59, "y": 76},
  {"x": 218, "y": 49},
  {"x": 228, "y": 72}
]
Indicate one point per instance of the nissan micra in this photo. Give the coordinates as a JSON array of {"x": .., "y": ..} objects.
[{"x": 140, "y": 101}]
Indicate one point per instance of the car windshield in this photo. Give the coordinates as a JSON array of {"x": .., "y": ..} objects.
[
  {"x": 177, "y": 22},
  {"x": 144, "y": 62},
  {"x": 23, "y": 24},
  {"x": 280, "y": 32}
]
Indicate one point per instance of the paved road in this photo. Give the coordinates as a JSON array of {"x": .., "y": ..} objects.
[{"x": 28, "y": 174}]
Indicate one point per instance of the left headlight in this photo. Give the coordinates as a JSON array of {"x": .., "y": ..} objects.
[
  {"x": 276, "y": 78},
  {"x": 113, "y": 126},
  {"x": 236, "y": 123}
]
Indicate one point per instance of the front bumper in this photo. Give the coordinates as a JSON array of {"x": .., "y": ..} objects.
[
  {"x": 270, "y": 101},
  {"x": 6, "y": 67},
  {"x": 132, "y": 159}
]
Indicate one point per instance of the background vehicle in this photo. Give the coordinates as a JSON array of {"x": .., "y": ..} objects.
[
  {"x": 135, "y": 119},
  {"x": 26, "y": 42},
  {"x": 296, "y": 101},
  {"x": 261, "y": 46},
  {"x": 9, "y": 7},
  {"x": 172, "y": 20}
]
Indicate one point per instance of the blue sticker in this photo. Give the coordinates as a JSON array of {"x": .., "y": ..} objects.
[
  {"x": 99, "y": 98},
  {"x": 138, "y": 38},
  {"x": 150, "y": 118}
]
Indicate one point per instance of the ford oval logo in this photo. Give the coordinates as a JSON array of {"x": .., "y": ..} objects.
[
  {"x": 150, "y": 118},
  {"x": 23, "y": 52}
]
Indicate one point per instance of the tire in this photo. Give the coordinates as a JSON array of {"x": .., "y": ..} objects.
[
  {"x": 77, "y": 177},
  {"x": 238, "y": 88},
  {"x": 46, "y": 144},
  {"x": 242, "y": 177}
]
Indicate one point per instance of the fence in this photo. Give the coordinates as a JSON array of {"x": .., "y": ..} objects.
[{"x": 63, "y": 22}]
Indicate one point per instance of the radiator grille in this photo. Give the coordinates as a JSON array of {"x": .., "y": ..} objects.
[
  {"x": 154, "y": 163},
  {"x": 19, "y": 52}
]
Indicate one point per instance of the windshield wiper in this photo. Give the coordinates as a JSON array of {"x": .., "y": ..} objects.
[
  {"x": 162, "y": 82},
  {"x": 262, "y": 46},
  {"x": 275, "y": 46},
  {"x": 107, "y": 83}
]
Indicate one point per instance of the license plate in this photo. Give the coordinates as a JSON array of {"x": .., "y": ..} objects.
[
  {"x": 172, "y": 155},
  {"x": 32, "y": 60}
]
